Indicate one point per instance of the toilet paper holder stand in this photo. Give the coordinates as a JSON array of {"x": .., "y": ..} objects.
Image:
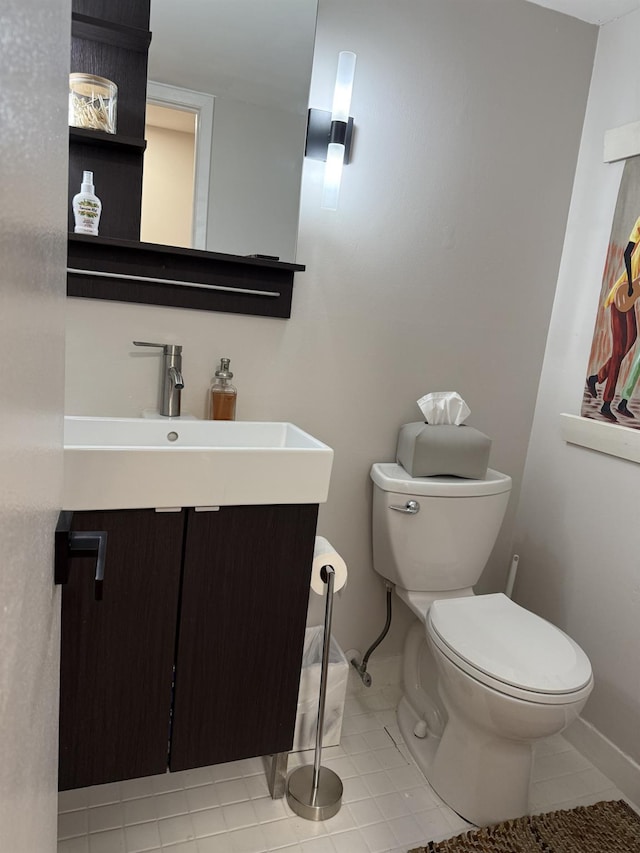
[{"x": 315, "y": 793}]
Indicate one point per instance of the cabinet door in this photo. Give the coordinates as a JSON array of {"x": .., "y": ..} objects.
[
  {"x": 117, "y": 654},
  {"x": 241, "y": 634}
]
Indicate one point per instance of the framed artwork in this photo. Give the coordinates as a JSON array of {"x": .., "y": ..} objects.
[{"x": 612, "y": 386}]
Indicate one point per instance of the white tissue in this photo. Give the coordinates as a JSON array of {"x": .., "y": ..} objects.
[
  {"x": 325, "y": 554},
  {"x": 444, "y": 407}
]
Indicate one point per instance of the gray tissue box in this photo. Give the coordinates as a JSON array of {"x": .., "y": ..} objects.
[{"x": 427, "y": 450}]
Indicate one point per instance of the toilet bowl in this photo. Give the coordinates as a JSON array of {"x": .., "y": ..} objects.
[
  {"x": 506, "y": 679},
  {"x": 483, "y": 678}
]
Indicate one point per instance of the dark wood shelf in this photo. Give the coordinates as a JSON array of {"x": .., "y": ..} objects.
[
  {"x": 99, "y": 137},
  {"x": 128, "y": 271},
  {"x": 109, "y": 32}
]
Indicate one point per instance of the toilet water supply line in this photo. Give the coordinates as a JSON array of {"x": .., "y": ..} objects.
[{"x": 361, "y": 668}]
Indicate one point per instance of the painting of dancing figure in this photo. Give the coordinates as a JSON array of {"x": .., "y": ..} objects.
[{"x": 611, "y": 392}]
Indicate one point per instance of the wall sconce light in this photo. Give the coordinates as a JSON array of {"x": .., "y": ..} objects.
[{"x": 329, "y": 134}]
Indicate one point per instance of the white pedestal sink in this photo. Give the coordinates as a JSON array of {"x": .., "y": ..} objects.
[{"x": 130, "y": 463}]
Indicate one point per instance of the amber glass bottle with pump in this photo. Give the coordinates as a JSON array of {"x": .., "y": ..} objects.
[{"x": 223, "y": 396}]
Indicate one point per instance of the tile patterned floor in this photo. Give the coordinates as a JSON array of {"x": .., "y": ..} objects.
[{"x": 388, "y": 806}]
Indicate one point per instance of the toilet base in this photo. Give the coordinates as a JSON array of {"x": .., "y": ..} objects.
[
  {"x": 422, "y": 750},
  {"x": 484, "y": 778},
  {"x": 481, "y": 776},
  {"x": 451, "y": 765}
]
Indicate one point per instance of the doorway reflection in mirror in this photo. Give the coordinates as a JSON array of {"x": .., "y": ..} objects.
[{"x": 253, "y": 58}]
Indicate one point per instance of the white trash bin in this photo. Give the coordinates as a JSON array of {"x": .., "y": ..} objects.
[{"x": 309, "y": 693}]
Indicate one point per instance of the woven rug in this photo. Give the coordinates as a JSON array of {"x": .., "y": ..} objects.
[{"x": 606, "y": 827}]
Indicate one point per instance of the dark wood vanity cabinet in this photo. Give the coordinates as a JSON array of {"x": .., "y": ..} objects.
[{"x": 193, "y": 656}]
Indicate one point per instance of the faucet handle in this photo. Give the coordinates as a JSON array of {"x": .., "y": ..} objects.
[{"x": 168, "y": 349}]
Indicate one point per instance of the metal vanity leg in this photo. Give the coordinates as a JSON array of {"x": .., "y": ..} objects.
[{"x": 277, "y": 774}]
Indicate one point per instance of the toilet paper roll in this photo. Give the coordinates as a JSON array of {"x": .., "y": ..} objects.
[{"x": 324, "y": 554}]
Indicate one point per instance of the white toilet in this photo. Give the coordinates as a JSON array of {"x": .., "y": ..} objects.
[{"x": 493, "y": 677}]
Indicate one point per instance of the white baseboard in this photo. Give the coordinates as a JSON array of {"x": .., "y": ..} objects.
[{"x": 623, "y": 771}]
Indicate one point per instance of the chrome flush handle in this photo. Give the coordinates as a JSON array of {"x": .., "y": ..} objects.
[{"x": 410, "y": 508}]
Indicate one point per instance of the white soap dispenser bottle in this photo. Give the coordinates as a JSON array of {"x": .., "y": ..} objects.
[{"x": 87, "y": 207}]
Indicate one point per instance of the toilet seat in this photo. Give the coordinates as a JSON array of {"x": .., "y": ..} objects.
[{"x": 510, "y": 649}]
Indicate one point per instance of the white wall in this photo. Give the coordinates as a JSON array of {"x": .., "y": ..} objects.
[
  {"x": 437, "y": 272},
  {"x": 33, "y": 167},
  {"x": 248, "y": 214},
  {"x": 577, "y": 530}
]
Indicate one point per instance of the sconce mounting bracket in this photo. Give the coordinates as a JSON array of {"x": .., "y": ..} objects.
[{"x": 319, "y": 135}]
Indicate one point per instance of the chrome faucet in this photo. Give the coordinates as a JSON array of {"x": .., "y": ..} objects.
[{"x": 172, "y": 381}]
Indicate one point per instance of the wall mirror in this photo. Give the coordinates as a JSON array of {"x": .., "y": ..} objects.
[{"x": 243, "y": 68}]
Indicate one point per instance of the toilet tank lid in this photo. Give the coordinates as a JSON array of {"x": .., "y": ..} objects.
[
  {"x": 391, "y": 477},
  {"x": 514, "y": 646}
]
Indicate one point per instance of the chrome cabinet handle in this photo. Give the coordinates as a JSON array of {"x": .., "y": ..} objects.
[{"x": 411, "y": 507}]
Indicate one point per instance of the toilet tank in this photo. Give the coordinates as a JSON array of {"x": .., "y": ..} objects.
[{"x": 445, "y": 545}]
